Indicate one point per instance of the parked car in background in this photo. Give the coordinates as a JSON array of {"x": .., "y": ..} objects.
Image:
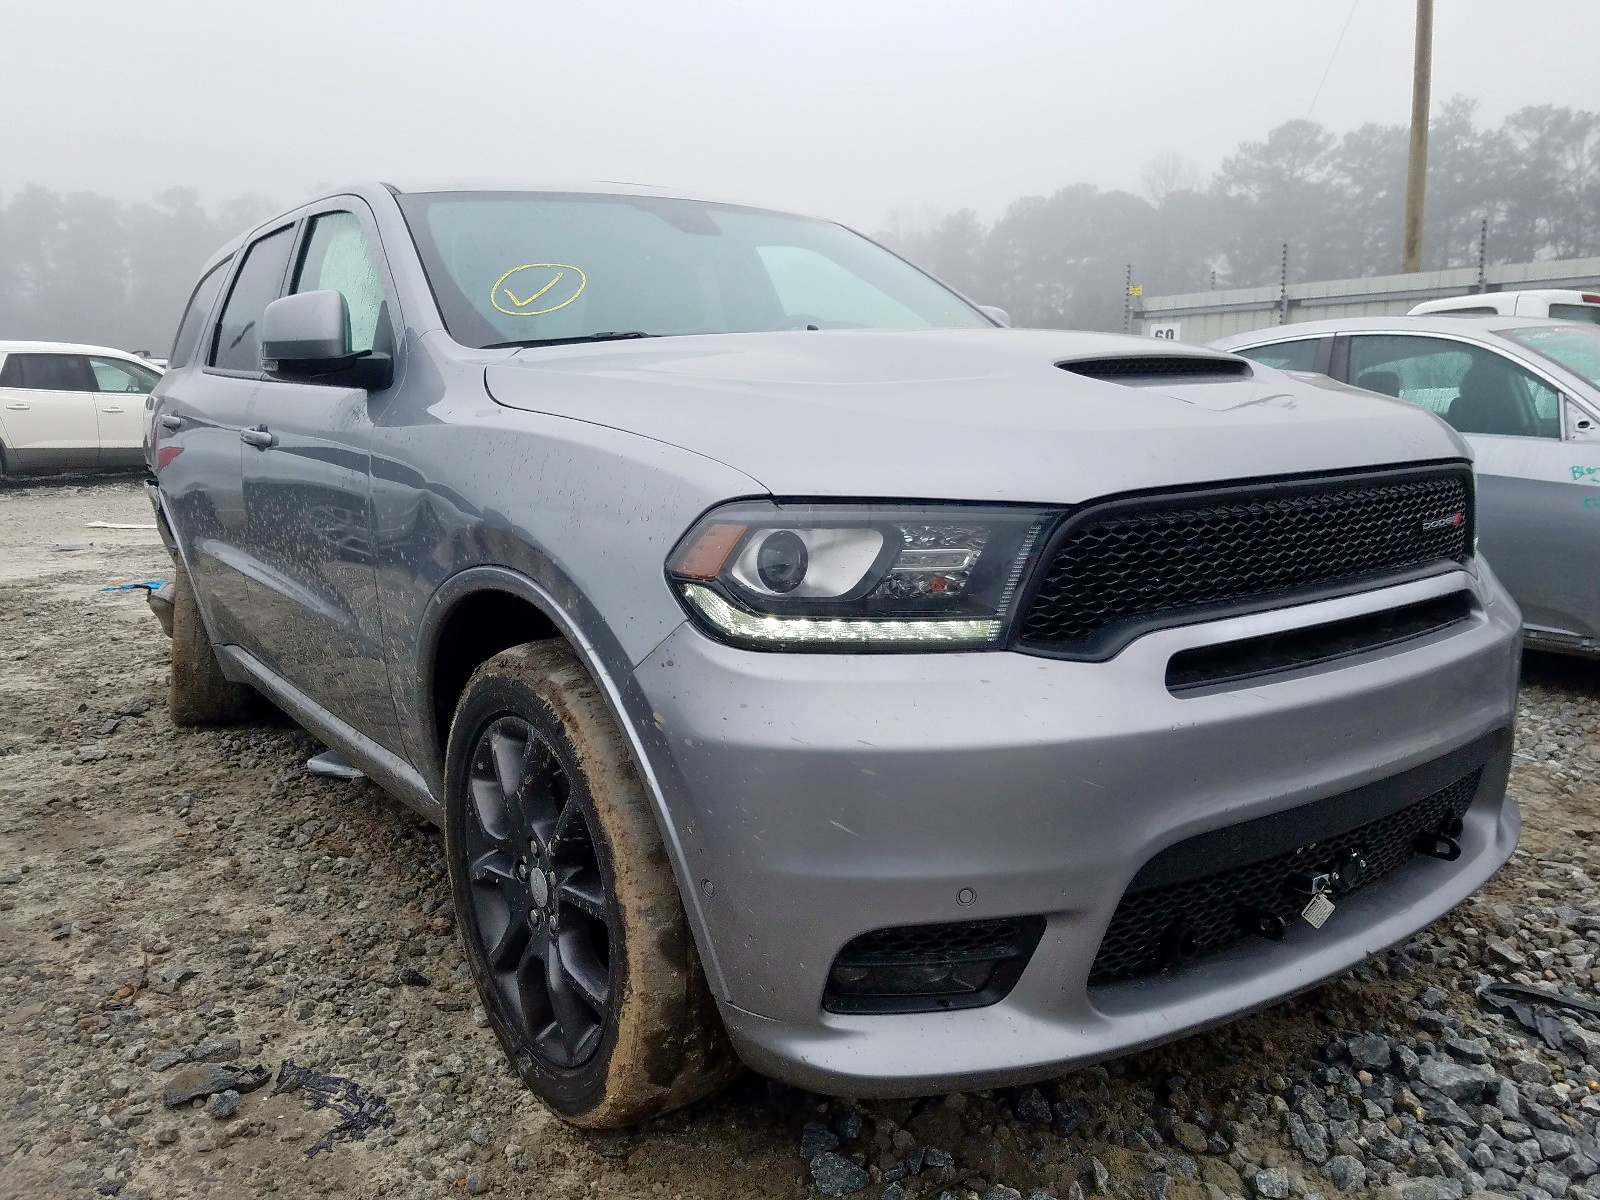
[
  {"x": 797, "y": 658},
  {"x": 1525, "y": 393},
  {"x": 1559, "y": 303},
  {"x": 66, "y": 407}
]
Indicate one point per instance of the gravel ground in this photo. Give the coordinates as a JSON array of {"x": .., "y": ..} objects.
[{"x": 222, "y": 977}]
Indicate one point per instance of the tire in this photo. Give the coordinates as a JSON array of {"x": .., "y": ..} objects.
[
  {"x": 566, "y": 902},
  {"x": 199, "y": 694}
]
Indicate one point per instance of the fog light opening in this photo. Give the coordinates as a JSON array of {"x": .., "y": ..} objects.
[{"x": 927, "y": 968}]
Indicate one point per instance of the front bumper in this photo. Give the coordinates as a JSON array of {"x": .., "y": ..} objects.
[{"x": 816, "y": 797}]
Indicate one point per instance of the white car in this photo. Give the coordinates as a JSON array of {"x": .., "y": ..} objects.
[
  {"x": 1560, "y": 303},
  {"x": 66, "y": 407}
]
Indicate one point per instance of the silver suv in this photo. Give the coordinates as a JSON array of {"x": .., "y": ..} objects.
[{"x": 808, "y": 670}]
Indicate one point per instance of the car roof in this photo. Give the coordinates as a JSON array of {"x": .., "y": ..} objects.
[
  {"x": 370, "y": 189},
  {"x": 589, "y": 187},
  {"x": 1499, "y": 301},
  {"x": 1576, "y": 295},
  {"x": 1428, "y": 323},
  {"x": 68, "y": 348},
  {"x": 518, "y": 184}
]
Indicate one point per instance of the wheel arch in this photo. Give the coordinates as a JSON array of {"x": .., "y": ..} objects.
[
  {"x": 467, "y": 629},
  {"x": 488, "y": 589}
]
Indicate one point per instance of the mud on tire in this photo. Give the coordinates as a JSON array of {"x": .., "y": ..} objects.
[
  {"x": 571, "y": 918},
  {"x": 199, "y": 694}
]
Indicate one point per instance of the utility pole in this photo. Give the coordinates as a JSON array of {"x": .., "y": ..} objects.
[
  {"x": 1417, "y": 161},
  {"x": 1283, "y": 286},
  {"x": 1483, "y": 256}
]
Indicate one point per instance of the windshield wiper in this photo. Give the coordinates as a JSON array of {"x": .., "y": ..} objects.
[{"x": 609, "y": 336}]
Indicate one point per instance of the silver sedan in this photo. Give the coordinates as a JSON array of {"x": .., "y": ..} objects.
[{"x": 1525, "y": 393}]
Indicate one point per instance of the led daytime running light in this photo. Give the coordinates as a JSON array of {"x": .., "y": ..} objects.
[{"x": 752, "y": 627}]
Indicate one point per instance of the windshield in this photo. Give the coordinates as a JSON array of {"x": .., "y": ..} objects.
[
  {"x": 514, "y": 267},
  {"x": 1575, "y": 347}
]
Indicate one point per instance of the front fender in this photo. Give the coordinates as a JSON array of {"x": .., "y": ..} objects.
[{"x": 602, "y": 655}]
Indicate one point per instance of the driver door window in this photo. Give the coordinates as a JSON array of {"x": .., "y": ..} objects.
[
  {"x": 112, "y": 375},
  {"x": 338, "y": 258},
  {"x": 1475, "y": 389},
  {"x": 236, "y": 346}
]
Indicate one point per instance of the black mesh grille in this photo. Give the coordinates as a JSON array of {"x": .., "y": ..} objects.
[
  {"x": 1150, "y": 366},
  {"x": 1159, "y": 927},
  {"x": 942, "y": 943},
  {"x": 1129, "y": 564}
]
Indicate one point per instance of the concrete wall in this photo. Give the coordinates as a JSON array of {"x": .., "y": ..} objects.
[{"x": 1201, "y": 317}]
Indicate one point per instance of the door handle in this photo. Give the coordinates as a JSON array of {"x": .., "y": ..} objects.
[
  {"x": 171, "y": 420},
  {"x": 19, "y": 406},
  {"x": 115, "y": 408},
  {"x": 260, "y": 437}
]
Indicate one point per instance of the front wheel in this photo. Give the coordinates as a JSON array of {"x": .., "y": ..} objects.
[{"x": 566, "y": 902}]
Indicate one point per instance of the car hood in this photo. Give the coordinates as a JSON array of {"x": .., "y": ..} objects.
[{"x": 986, "y": 415}]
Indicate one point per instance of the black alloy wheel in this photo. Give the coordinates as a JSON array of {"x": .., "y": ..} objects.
[
  {"x": 564, "y": 894},
  {"x": 539, "y": 908}
]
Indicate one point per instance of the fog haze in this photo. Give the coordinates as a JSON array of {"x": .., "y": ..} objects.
[{"x": 853, "y": 110}]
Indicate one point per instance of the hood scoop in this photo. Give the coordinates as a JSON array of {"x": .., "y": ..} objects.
[{"x": 1135, "y": 369}]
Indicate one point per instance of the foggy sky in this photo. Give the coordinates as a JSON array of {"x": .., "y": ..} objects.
[{"x": 850, "y": 109}]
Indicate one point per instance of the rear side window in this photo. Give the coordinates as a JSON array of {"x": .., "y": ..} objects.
[
  {"x": 194, "y": 317},
  {"x": 1577, "y": 312},
  {"x": 238, "y": 339},
  {"x": 47, "y": 373},
  {"x": 1286, "y": 356},
  {"x": 338, "y": 258}
]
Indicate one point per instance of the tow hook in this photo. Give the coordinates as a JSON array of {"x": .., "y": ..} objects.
[{"x": 1441, "y": 842}]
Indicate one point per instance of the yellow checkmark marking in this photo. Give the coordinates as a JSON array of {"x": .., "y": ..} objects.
[
  {"x": 536, "y": 295},
  {"x": 521, "y": 307}
]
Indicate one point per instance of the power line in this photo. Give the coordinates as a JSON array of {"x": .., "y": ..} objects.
[{"x": 1317, "y": 95}]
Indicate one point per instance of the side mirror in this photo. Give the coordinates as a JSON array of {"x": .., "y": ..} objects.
[
  {"x": 306, "y": 338},
  {"x": 996, "y": 314},
  {"x": 1584, "y": 427}
]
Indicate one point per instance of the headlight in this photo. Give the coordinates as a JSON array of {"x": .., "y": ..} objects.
[{"x": 814, "y": 576}]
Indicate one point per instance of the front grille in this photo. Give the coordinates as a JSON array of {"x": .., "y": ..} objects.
[
  {"x": 1124, "y": 566},
  {"x": 1158, "y": 927}
]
